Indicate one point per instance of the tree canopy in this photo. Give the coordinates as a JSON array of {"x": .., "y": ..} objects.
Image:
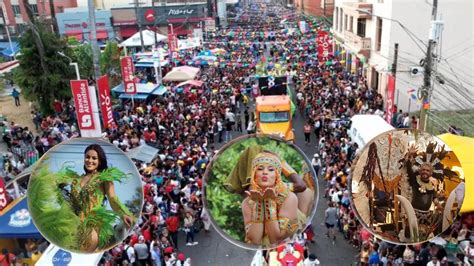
[{"x": 43, "y": 78}]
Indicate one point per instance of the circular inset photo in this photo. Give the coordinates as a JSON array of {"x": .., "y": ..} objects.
[
  {"x": 260, "y": 191},
  {"x": 85, "y": 195},
  {"x": 407, "y": 186}
]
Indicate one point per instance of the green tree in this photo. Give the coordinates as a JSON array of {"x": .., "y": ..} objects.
[
  {"x": 43, "y": 74},
  {"x": 82, "y": 54},
  {"x": 110, "y": 63}
]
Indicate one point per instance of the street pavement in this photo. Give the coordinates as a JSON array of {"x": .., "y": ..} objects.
[{"x": 215, "y": 250}]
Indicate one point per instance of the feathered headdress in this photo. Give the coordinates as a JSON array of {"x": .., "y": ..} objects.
[{"x": 430, "y": 158}]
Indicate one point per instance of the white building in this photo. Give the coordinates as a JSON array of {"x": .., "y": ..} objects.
[{"x": 368, "y": 31}]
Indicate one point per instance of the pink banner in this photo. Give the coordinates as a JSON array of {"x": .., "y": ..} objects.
[
  {"x": 106, "y": 102},
  {"x": 128, "y": 73},
  {"x": 390, "y": 98},
  {"x": 324, "y": 46},
  {"x": 83, "y": 104}
]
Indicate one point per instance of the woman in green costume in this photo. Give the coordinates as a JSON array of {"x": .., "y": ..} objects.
[{"x": 72, "y": 213}]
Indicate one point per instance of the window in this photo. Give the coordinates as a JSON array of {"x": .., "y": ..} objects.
[
  {"x": 34, "y": 8},
  {"x": 345, "y": 22},
  {"x": 16, "y": 10},
  {"x": 361, "y": 27},
  {"x": 351, "y": 24},
  {"x": 336, "y": 20},
  {"x": 60, "y": 9},
  {"x": 21, "y": 28},
  {"x": 340, "y": 19},
  {"x": 378, "y": 42},
  {"x": 274, "y": 117}
]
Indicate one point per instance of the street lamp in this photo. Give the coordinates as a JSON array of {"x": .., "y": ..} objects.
[{"x": 76, "y": 65}]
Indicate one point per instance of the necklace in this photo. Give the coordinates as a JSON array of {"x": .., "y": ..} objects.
[{"x": 423, "y": 187}]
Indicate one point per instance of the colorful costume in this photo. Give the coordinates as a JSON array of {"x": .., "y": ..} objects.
[
  {"x": 67, "y": 213},
  {"x": 267, "y": 209}
]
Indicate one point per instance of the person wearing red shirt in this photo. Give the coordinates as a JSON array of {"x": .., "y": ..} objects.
[
  {"x": 57, "y": 106},
  {"x": 7, "y": 258},
  {"x": 172, "y": 224}
]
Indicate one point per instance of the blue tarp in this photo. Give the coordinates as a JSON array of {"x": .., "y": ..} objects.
[
  {"x": 17, "y": 222},
  {"x": 138, "y": 96},
  {"x": 6, "y": 50},
  {"x": 160, "y": 91}
]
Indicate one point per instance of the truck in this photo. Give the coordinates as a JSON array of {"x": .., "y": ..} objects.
[{"x": 274, "y": 116}]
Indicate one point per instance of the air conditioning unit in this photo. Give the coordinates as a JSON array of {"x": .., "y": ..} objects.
[{"x": 416, "y": 71}]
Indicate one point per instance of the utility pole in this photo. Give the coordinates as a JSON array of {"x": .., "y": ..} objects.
[
  {"x": 394, "y": 74},
  {"x": 93, "y": 39},
  {"x": 137, "y": 4},
  {"x": 424, "y": 93}
]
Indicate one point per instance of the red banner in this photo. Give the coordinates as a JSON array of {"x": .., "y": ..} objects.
[
  {"x": 4, "y": 199},
  {"x": 324, "y": 46},
  {"x": 128, "y": 73},
  {"x": 83, "y": 104},
  {"x": 105, "y": 102},
  {"x": 172, "y": 44},
  {"x": 390, "y": 98}
]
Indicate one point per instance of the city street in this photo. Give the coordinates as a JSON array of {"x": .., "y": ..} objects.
[{"x": 215, "y": 250}]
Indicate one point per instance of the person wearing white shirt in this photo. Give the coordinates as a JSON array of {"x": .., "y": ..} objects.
[
  {"x": 312, "y": 260},
  {"x": 251, "y": 127},
  {"x": 434, "y": 262},
  {"x": 130, "y": 253}
]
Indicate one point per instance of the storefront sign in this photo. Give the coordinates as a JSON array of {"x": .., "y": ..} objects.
[
  {"x": 83, "y": 104},
  {"x": 390, "y": 98},
  {"x": 159, "y": 15},
  {"x": 128, "y": 74},
  {"x": 324, "y": 46},
  {"x": 105, "y": 102},
  {"x": 83, "y": 25},
  {"x": 177, "y": 12},
  {"x": 3, "y": 195}
]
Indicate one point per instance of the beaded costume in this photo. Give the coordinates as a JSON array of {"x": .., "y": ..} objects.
[{"x": 67, "y": 213}]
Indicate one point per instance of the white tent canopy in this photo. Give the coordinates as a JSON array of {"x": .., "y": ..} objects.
[
  {"x": 144, "y": 153},
  {"x": 53, "y": 255},
  {"x": 366, "y": 127},
  {"x": 182, "y": 73},
  {"x": 148, "y": 39}
]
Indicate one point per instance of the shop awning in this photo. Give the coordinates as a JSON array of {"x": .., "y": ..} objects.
[
  {"x": 128, "y": 31},
  {"x": 138, "y": 96},
  {"x": 77, "y": 34},
  {"x": 182, "y": 20},
  {"x": 102, "y": 34},
  {"x": 15, "y": 222},
  {"x": 462, "y": 148}
]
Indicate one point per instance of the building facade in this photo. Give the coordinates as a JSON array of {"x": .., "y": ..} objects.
[
  {"x": 365, "y": 34},
  {"x": 14, "y": 13},
  {"x": 74, "y": 23},
  {"x": 320, "y": 8}
]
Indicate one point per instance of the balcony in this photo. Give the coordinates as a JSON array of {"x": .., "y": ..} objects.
[
  {"x": 358, "y": 10},
  {"x": 358, "y": 44}
]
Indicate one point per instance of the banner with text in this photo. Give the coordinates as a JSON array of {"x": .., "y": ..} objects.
[
  {"x": 324, "y": 46},
  {"x": 106, "y": 102},
  {"x": 128, "y": 73},
  {"x": 173, "y": 45},
  {"x": 83, "y": 104},
  {"x": 390, "y": 98},
  {"x": 4, "y": 199}
]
